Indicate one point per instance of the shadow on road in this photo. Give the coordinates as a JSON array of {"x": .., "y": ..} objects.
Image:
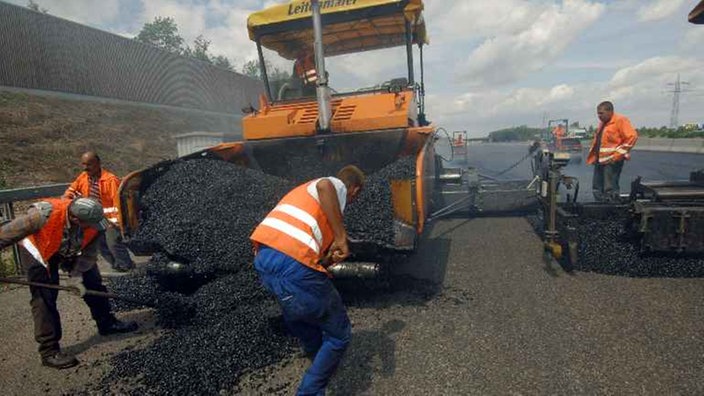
[
  {"x": 411, "y": 279},
  {"x": 371, "y": 354},
  {"x": 145, "y": 319}
]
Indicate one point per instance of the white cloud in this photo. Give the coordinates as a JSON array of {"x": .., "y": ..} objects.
[
  {"x": 229, "y": 38},
  {"x": 87, "y": 12},
  {"x": 506, "y": 58},
  {"x": 658, "y": 69},
  {"x": 658, "y": 9},
  {"x": 639, "y": 90},
  {"x": 693, "y": 39},
  {"x": 460, "y": 20}
]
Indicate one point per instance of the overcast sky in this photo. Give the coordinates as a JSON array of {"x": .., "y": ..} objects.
[{"x": 491, "y": 63}]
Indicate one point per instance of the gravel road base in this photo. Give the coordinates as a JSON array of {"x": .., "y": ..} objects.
[{"x": 500, "y": 321}]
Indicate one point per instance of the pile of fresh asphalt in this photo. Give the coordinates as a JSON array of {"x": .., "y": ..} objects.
[
  {"x": 220, "y": 320},
  {"x": 371, "y": 217},
  {"x": 607, "y": 246}
]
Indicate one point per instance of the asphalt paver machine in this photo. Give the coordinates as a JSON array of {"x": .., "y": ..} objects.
[{"x": 299, "y": 132}]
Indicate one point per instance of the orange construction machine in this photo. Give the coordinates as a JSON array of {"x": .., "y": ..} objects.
[
  {"x": 302, "y": 128},
  {"x": 301, "y": 120}
]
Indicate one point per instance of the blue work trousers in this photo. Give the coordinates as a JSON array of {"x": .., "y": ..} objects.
[{"x": 313, "y": 312}]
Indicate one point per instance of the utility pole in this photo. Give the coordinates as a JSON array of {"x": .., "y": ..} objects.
[{"x": 675, "y": 114}]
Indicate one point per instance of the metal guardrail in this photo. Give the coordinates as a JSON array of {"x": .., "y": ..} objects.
[
  {"x": 29, "y": 193},
  {"x": 10, "y": 196}
]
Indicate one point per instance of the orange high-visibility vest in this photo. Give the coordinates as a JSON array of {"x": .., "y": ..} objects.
[
  {"x": 298, "y": 228},
  {"x": 617, "y": 140},
  {"x": 108, "y": 184},
  {"x": 559, "y": 133},
  {"x": 305, "y": 69},
  {"x": 47, "y": 241}
]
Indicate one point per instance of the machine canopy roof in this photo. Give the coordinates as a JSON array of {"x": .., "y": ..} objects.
[{"x": 348, "y": 25}]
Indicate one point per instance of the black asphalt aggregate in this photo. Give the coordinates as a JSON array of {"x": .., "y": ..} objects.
[{"x": 489, "y": 316}]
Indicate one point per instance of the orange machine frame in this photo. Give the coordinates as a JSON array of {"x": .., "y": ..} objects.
[{"x": 354, "y": 113}]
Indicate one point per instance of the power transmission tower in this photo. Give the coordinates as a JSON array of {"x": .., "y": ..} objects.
[{"x": 675, "y": 114}]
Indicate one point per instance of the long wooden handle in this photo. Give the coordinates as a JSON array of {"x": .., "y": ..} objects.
[{"x": 74, "y": 290}]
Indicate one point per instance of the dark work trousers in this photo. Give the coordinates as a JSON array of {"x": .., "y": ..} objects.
[
  {"x": 114, "y": 250},
  {"x": 47, "y": 322},
  {"x": 313, "y": 312},
  {"x": 605, "y": 182}
]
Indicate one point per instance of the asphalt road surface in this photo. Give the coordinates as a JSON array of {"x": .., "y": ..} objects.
[
  {"x": 492, "y": 158},
  {"x": 478, "y": 310}
]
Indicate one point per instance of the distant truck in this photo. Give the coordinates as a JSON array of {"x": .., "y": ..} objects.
[
  {"x": 560, "y": 137},
  {"x": 578, "y": 133}
]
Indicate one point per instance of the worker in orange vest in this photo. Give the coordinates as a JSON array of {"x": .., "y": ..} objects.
[
  {"x": 295, "y": 244},
  {"x": 96, "y": 182},
  {"x": 304, "y": 68},
  {"x": 61, "y": 234},
  {"x": 611, "y": 146},
  {"x": 559, "y": 134}
]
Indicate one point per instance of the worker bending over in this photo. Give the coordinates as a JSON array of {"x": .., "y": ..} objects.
[
  {"x": 295, "y": 244},
  {"x": 61, "y": 233},
  {"x": 97, "y": 183},
  {"x": 612, "y": 144}
]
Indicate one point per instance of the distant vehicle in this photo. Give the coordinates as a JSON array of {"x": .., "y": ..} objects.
[
  {"x": 579, "y": 133},
  {"x": 574, "y": 147}
]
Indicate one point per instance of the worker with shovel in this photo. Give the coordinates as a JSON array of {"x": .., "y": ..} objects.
[
  {"x": 295, "y": 244},
  {"x": 61, "y": 234}
]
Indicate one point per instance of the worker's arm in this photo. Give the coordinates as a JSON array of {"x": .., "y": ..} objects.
[
  {"x": 111, "y": 186},
  {"x": 21, "y": 227},
  {"x": 331, "y": 207},
  {"x": 73, "y": 190},
  {"x": 629, "y": 136}
]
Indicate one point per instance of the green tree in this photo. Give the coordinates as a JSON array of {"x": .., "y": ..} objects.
[
  {"x": 35, "y": 7},
  {"x": 517, "y": 133},
  {"x": 223, "y": 62},
  {"x": 162, "y": 33},
  {"x": 199, "y": 50},
  {"x": 251, "y": 69}
]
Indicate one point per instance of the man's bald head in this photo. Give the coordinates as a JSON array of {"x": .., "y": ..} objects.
[{"x": 90, "y": 161}]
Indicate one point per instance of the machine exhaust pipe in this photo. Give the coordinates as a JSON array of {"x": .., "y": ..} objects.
[
  {"x": 360, "y": 270},
  {"x": 322, "y": 91}
]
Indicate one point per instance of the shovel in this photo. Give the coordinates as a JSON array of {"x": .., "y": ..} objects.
[{"x": 78, "y": 291}]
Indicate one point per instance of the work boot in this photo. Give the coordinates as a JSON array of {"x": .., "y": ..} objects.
[
  {"x": 59, "y": 360},
  {"x": 117, "y": 326}
]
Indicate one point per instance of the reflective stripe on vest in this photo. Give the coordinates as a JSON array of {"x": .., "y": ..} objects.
[
  {"x": 111, "y": 214},
  {"x": 29, "y": 246},
  {"x": 47, "y": 241},
  {"x": 297, "y": 227},
  {"x": 310, "y": 76},
  {"x": 108, "y": 183},
  {"x": 617, "y": 139}
]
